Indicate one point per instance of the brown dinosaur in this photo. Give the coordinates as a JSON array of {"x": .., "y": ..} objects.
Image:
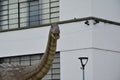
[{"x": 35, "y": 72}]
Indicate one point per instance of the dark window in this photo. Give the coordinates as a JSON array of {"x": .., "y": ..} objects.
[
  {"x": 54, "y": 72},
  {"x": 27, "y": 13}
]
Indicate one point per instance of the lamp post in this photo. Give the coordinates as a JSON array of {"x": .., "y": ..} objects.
[{"x": 83, "y": 61}]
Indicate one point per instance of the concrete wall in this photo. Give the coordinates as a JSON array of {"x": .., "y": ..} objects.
[
  {"x": 75, "y": 36},
  {"x": 106, "y": 65},
  {"x": 70, "y": 9},
  {"x": 107, "y": 9},
  {"x": 106, "y": 36},
  {"x": 23, "y": 42}
]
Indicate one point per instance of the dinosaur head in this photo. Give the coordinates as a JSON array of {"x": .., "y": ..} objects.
[{"x": 55, "y": 31}]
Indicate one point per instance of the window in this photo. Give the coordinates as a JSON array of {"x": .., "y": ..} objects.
[
  {"x": 26, "y": 13},
  {"x": 54, "y": 72}
]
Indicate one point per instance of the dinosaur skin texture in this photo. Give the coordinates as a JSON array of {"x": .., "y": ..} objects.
[{"x": 35, "y": 72}]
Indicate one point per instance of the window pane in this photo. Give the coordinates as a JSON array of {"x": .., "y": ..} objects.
[
  {"x": 44, "y": 6},
  {"x": 15, "y": 63},
  {"x": 13, "y": 26},
  {"x": 3, "y": 17},
  {"x": 45, "y": 21},
  {"x": 33, "y": 3},
  {"x": 24, "y": 10},
  {"x": 33, "y": 62},
  {"x": 54, "y": 4},
  {"x": 13, "y": 11},
  {"x": 3, "y": 12},
  {"x": 4, "y": 27},
  {"x": 56, "y": 65},
  {"x": 55, "y": 19},
  {"x": 56, "y": 60},
  {"x": 34, "y": 18},
  {"x": 23, "y": 14},
  {"x": 22, "y": 0},
  {"x": 6, "y": 60},
  {"x": 44, "y": 1},
  {"x": 13, "y": 16},
  {"x": 55, "y": 9},
  {"x": 25, "y": 63},
  {"x": 3, "y": 8},
  {"x": 13, "y": 21},
  {"x": 23, "y": 5},
  {"x": 46, "y": 16},
  {"x": 12, "y": 6},
  {"x": 13, "y": 1},
  {"x": 35, "y": 57},
  {"x": 23, "y": 24},
  {"x": 3, "y": 22},
  {"x": 35, "y": 23},
  {"x": 3, "y": 2},
  {"x": 34, "y": 13},
  {"x": 33, "y": 8},
  {"x": 54, "y": 0},
  {"x": 14, "y": 59},
  {"x": 54, "y": 14},
  {"x": 56, "y": 70},
  {"x": 44, "y": 11},
  {"x": 56, "y": 76},
  {"x": 25, "y": 58},
  {"x": 24, "y": 20}
]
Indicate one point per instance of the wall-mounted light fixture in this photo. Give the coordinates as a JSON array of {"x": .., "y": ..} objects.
[
  {"x": 95, "y": 22},
  {"x": 87, "y": 22}
]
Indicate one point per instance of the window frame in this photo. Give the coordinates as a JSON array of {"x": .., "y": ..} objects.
[{"x": 46, "y": 13}]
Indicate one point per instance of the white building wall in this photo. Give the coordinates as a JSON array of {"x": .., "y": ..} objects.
[
  {"x": 75, "y": 36},
  {"x": 107, "y": 9},
  {"x": 106, "y": 36},
  {"x": 23, "y": 42},
  {"x": 106, "y": 65},
  {"x": 70, "y": 9}
]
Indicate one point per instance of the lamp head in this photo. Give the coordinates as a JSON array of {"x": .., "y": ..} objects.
[{"x": 83, "y": 61}]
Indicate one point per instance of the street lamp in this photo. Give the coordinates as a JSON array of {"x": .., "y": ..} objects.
[{"x": 83, "y": 61}]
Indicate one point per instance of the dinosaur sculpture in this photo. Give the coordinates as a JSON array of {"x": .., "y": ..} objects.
[{"x": 35, "y": 72}]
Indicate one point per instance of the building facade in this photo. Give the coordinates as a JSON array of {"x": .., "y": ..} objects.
[{"x": 24, "y": 27}]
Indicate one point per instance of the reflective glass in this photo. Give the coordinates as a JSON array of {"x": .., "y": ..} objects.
[
  {"x": 13, "y": 1},
  {"x": 12, "y": 16},
  {"x": 13, "y": 26},
  {"x": 12, "y": 11},
  {"x": 28, "y": 12},
  {"x": 13, "y": 6},
  {"x": 4, "y": 27},
  {"x": 13, "y": 21}
]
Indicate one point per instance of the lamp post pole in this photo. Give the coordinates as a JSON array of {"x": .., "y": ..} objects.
[
  {"x": 83, "y": 61},
  {"x": 83, "y": 73}
]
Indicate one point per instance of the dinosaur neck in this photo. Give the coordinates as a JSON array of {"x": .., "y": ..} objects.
[{"x": 46, "y": 61}]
